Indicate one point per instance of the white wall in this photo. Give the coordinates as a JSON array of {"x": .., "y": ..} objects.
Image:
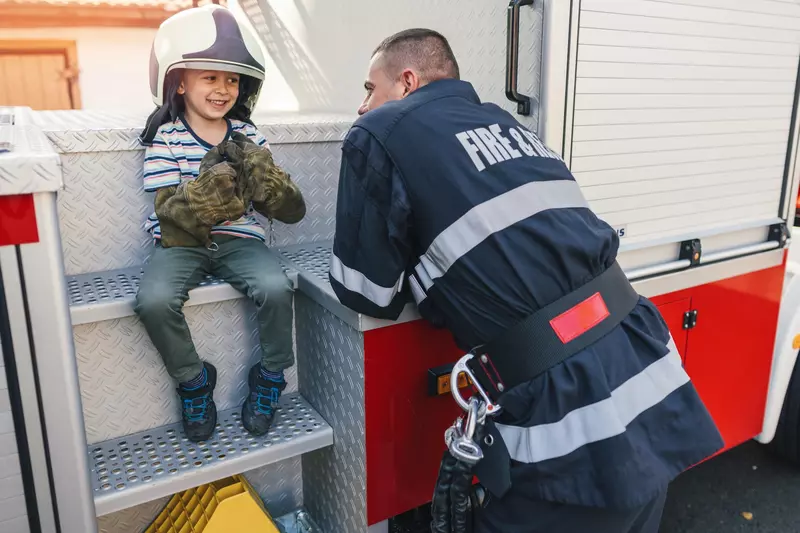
[{"x": 113, "y": 63}]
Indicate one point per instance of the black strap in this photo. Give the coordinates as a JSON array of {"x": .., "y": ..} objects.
[{"x": 532, "y": 346}]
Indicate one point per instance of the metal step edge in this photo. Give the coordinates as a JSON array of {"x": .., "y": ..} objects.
[
  {"x": 110, "y": 295},
  {"x": 145, "y": 466}
]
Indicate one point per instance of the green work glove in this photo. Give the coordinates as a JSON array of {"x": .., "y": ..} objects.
[{"x": 266, "y": 185}]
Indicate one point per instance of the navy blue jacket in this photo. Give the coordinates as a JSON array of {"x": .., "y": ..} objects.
[{"x": 451, "y": 203}]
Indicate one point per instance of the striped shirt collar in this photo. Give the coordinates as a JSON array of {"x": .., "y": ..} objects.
[{"x": 197, "y": 138}]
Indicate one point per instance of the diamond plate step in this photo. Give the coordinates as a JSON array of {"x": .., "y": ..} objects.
[
  {"x": 110, "y": 295},
  {"x": 139, "y": 468}
]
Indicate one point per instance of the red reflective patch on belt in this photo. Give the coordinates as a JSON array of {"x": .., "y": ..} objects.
[{"x": 581, "y": 318}]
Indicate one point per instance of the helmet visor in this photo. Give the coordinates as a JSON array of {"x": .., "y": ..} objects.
[{"x": 226, "y": 66}]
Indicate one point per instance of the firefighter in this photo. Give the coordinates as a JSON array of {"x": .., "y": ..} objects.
[{"x": 452, "y": 203}]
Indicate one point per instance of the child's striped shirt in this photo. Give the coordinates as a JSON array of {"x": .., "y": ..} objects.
[{"x": 175, "y": 156}]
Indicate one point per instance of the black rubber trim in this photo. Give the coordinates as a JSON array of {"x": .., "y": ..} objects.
[
  {"x": 35, "y": 366},
  {"x": 788, "y": 163},
  {"x": 574, "y": 81},
  {"x": 17, "y": 414},
  {"x": 566, "y": 86}
]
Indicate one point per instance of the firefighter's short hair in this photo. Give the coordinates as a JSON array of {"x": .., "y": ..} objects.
[{"x": 425, "y": 50}]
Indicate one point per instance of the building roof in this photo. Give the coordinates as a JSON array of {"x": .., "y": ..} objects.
[
  {"x": 167, "y": 5},
  {"x": 52, "y": 13}
]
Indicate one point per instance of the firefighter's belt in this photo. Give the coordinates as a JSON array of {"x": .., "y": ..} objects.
[{"x": 554, "y": 333}]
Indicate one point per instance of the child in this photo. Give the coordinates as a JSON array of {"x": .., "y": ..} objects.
[{"x": 205, "y": 86}]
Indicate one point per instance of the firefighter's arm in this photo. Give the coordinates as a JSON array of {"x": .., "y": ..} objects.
[{"x": 371, "y": 245}]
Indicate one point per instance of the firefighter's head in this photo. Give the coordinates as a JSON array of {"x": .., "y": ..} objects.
[
  {"x": 205, "y": 60},
  {"x": 403, "y": 63}
]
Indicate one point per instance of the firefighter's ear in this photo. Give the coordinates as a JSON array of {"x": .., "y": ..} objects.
[{"x": 410, "y": 81}]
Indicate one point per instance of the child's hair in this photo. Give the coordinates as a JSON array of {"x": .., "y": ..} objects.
[{"x": 174, "y": 104}]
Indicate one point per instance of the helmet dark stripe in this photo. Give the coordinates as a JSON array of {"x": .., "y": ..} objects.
[{"x": 229, "y": 44}]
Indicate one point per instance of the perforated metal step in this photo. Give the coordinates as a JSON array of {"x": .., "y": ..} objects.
[
  {"x": 149, "y": 465},
  {"x": 109, "y": 295},
  {"x": 311, "y": 258}
]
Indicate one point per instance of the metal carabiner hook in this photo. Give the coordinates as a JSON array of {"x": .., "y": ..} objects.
[{"x": 461, "y": 366}]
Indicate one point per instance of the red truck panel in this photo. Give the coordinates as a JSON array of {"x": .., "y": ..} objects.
[
  {"x": 728, "y": 355},
  {"x": 17, "y": 220}
]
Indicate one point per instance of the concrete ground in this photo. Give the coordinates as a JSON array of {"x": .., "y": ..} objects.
[{"x": 712, "y": 497}]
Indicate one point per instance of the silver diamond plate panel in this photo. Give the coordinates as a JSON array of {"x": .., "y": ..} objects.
[
  {"x": 31, "y": 165},
  {"x": 102, "y": 211},
  {"x": 332, "y": 380},
  {"x": 132, "y": 520},
  {"x": 280, "y": 485},
  {"x": 298, "y": 40},
  {"x": 124, "y": 385},
  {"x": 103, "y": 206},
  {"x": 315, "y": 169},
  {"x": 105, "y": 131},
  {"x": 163, "y": 456}
]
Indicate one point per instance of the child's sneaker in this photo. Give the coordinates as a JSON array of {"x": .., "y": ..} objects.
[
  {"x": 199, "y": 410},
  {"x": 258, "y": 410}
]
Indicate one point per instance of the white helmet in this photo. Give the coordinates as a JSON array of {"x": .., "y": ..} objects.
[{"x": 208, "y": 37}]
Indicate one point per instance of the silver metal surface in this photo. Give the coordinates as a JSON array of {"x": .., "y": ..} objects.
[
  {"x": 663, "y": 268},
  {"x": 26, "y": 381},
  {"x": 311, "y": 261},
  {"x": 32, "y": 165},
  {"x": 280, "y": 485},
  {"x": 74, "y": 131},
  {"x": 132, "y": 520},
  {"x": 6, "y": 129},
  {"x": 299, "y": 41},
  {"x": 103, "y": 206},
  {"x": 109, "y": 295},
  {"x": 124, "y": 385},
  {"x": 299, "y": 521},
  {"x": 711, "y": 273},
  {"x": 331, "y": 376},
  {"x": 735, "y": 252},
  {"x": 57, "y": 374},
  {"x": 10, "y": 474},
  {"x": 15, "y": 525},
  {"x": 142, "y": 467}
]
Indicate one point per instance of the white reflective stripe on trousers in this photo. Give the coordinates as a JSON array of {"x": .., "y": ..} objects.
[
  {"x": 492, "y": 216},
  {"x": 355, "y": 281},
  {"x": 601, "y": 420}
]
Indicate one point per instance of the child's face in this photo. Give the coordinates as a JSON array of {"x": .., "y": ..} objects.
[{"x": 209, "y": 93}]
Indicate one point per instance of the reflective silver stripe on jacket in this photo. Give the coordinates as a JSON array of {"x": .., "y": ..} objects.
[
  {"x": 601, "y": 420},
  {"x": 493, "y": 216},
  {"x": 355, "y": 281}
]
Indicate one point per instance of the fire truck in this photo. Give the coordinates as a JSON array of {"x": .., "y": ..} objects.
[{"x": 677, "y": 117}]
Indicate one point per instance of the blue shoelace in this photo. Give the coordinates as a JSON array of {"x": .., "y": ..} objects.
[
  {"x": 266, "y": 397},
  {"x": 195, "y": 408}
]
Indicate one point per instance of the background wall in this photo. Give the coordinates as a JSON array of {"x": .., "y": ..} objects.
[
  {"x": 114, "y": 67},
  {"x": 113, "y": 62}
]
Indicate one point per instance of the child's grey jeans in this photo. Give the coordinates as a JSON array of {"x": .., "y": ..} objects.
[{"x": 248, "y": 266}]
